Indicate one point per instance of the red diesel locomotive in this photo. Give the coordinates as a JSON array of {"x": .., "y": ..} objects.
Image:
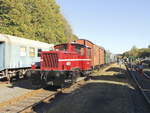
[{"x": 63, "y": 65}]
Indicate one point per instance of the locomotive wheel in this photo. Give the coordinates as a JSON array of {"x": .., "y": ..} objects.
[
  {"x": 17, "y": 77},
  {"x": 75, "y": 75},
  {"x": 73, "y": 78},
  {"x": 59, "y": 82},
  {"x": 83, "y": 74}
]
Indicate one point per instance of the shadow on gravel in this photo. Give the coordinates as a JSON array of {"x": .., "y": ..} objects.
[
  {"x": 108, "y": 96},
  {"x": 104, "y": 95},
  {"x": 115, "y": 69},
  {"x": 3, "y": 79},
  {"x": 27, "y": 84},
  {"x": 24, "y": 83},
  {"x": 118, "y": 77},
  {"x": 91, "y": 98}
]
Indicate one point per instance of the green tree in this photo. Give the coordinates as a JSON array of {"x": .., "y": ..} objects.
[
  {"x": 133, "y": 52},
  {"x": 34, "y": 19},
  {"x": 137, "y": 53},
  {"x": 144, "y": 52}
]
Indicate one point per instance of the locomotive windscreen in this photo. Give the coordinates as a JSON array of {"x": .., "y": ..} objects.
[{"x": 62, "y": 47}]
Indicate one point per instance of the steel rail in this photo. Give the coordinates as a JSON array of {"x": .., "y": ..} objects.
[{"x": 139, "y": 86}]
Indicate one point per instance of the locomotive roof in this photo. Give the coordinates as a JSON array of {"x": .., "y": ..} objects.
[
  {"x": 73, "y": 43},
  {"x": 23, "y": 41}
]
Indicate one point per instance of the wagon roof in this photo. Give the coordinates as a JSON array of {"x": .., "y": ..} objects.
[
  {"x": 92, "y": 43},
  {"x": 87, "y": 40}
]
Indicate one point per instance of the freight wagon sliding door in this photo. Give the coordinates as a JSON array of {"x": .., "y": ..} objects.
[{"x": 1, "y": 55}]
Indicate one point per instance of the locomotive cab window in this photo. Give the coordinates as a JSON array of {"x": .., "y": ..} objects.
[
  {"x": 79, "y": 49},
  {"x": 32, "y": 52},
  {"x": 23, "y": 51},
  {"x": 62, "y": 47},
  {"x": 39, "y": 52},
  {"x": 82, "y": 51},
  {"x": 89, "y": 52}
]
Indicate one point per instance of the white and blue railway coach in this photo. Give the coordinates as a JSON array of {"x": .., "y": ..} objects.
[{"x": 18, "y": 54}]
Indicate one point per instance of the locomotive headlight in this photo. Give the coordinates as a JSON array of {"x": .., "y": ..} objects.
[
  {"x": 68, "y": 63},
  {"x": 41, "y": 60}
]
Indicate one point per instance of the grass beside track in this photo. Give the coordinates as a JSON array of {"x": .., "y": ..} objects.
[
  {"x": 116, "y": 71},
  {"x": 111, "y": 70}
]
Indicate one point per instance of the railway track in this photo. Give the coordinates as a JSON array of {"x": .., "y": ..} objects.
[
  {"x": 26, "y": 103},
  {"x": 142, "y": 81},
  {"x": 147, "y": 76}
]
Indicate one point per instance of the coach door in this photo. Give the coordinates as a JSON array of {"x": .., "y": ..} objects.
[{"x": 1, "y": 55}]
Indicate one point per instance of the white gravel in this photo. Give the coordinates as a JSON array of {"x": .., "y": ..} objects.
[{"x": 9, "y": 91}]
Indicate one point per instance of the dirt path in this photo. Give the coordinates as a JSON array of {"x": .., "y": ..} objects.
[{"x": 109, "y": 91}]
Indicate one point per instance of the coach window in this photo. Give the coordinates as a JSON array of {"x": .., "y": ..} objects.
[
  {"x": 39, "y": 52},
  {"x": 23, "y": 51},
  {"x": 51, "y": 49},
  {"x": 32, "y": 52}
]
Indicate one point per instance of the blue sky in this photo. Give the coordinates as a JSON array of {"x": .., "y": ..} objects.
[{"x": 116, "y": 25}]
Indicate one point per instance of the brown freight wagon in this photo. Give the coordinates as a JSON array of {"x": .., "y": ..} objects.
[
  {"x": 97, "y": 53},
  {"x": 89, "y": 44},
  {"x": 96, "y": 56},
  {"x": 102, "y": 55}
]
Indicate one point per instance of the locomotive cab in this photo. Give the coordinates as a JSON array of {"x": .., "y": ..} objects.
[{"x": 65, "y": 64}]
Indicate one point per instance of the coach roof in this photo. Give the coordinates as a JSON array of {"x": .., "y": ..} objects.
[{"x": 22, "y": 41}]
